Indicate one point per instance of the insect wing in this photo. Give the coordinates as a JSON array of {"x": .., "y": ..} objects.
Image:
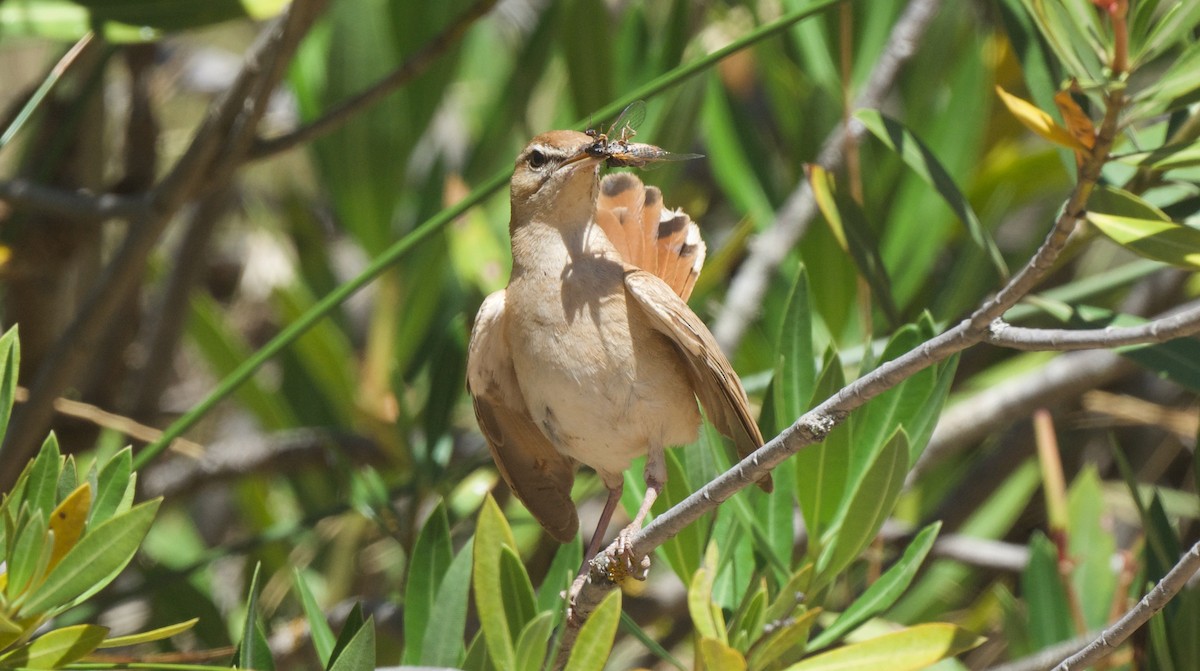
[{"x": 630, "y": 120}]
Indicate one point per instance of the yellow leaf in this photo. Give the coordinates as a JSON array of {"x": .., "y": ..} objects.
[
  {"x": 906, "y": 650},
  {"x": 68, "y": 520},
  {"x": 1038, "y": 121},
  {"x": 717, "y": 656}
]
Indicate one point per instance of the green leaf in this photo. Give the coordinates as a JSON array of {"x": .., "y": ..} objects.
[
  {"x": 595, "y": 640},
  {"x": 491, "y": 534},
  {"x": 1091, "y": 546},
  {"x": 322, "y": 636},
  {"x": 533, "y": 642},
  {"x": 784, "y": 643},
  {"x": 905, "y": 650},
  {"x": 94, "y": 561},
  {"x": 10, "y": 363},
  {"x": 29, "y": 555},
  {"x": 732, "y": 168},
  {"x": 821, "y": 469},
  {"x": 359, "y": 652},
  {"x": 921, "y": 160},
  {"x": 354, "y": 623},
  {"x": 443, "y": 644},
  {"x": 587, "y": 49},
  {"x": 790, "y": 595},
  {"x": 795, "y": 375},
  {"x": 42, "y": 487},
  {"x": 1048, "y": 614},
  {"x": 429, "y": 561},
  {"x": 883, "y": 592},
  {"x": 110, "y": 486},
  {"x": 56, "y": 648},
  {"x": 869, "y": 505},
  {"x": 749, "y": 619},
  {"x": 516, "y": 589},
  {"x": 558, "y": 578},
  {"x": 1108, "y": 199},
  {"x": 706, "y": 615},
  {"x": 159, "y": 634},
  {"x": 252, "y": 649},
  {"x": 1152, "y": 238},
  {"x": 849, "y": 224}
]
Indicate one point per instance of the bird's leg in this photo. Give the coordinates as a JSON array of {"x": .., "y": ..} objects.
[
  {"x": 656, "y": 478},
  {"x": 614, "y": 497}
]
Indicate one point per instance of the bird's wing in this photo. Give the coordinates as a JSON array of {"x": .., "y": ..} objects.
[
  {"x": 533, "y": 469},
  {"x": 716, "y": 384},
  {"x": 664, "y": 242}
]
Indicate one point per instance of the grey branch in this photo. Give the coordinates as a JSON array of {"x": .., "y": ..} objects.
[
  {"x": 1111, "y": 638},
  {"x": 1184, "y": 323},
  {"x": 27, "y": 195},
  {"x": 772, "y": 246}
]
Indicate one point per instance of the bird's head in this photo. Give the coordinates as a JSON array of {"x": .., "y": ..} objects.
[{"x": 555, "y": 179}]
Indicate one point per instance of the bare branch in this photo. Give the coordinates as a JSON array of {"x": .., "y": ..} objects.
[
  {"x": 108, "y": 420},
  {"x": 1183, "y": 323},
  {"x": 413, "y": 67},
  {"x": 1158, "y": 597},
  {"x": 27, "y": 195},
  {"x": 772, "y": 246}
]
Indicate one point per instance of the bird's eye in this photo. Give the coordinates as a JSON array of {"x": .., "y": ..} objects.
[{"x": 536, "y": 159}]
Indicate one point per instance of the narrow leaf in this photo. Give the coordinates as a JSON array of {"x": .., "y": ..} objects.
[
  {"x": 68, "y": 520},
  {"x": 920, "y": 159},
  {"x": 883, "y": 592},
  {"x": 1154, "y": 239},
  {"x": 57, "y": 648},
  {"x": 491, "y": 533},
  {"x": 318, "y": 626},
  {"x": 906, "y": 650},
  {"x": 1038, "y": 121},
  {"x": 595, "y": 640},
  {"x": 359, "y": 652},
  {"x": 158, "y": 634}
]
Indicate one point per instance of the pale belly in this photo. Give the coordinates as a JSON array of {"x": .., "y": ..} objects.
[{"x": 597, "y": 396}]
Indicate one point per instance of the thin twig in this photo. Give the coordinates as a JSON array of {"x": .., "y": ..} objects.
[
  {"x": 1157, "y": 598},
  {"x": 413, "y": 67},
  {"x": 771, "y": 247},
  {"x": 108, "y": 420},
  {"x": 1184, "y": 323},
  {"x": 816, "y": 424},
  {"x": 34, "y": 197}
]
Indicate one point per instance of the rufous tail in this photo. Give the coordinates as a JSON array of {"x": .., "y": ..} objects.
[{"x": 664, "y": 242}]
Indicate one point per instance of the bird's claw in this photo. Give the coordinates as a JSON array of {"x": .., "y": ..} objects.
[{"x": 629, "y": 564}]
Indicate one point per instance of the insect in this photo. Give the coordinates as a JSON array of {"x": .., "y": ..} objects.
[{"x": 615, "y": 147}]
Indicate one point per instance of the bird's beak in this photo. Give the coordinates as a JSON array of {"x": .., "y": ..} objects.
[{"x": 582, "y": 159}]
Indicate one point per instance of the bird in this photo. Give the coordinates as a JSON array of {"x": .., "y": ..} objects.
[{"x": 591, "y": 354}]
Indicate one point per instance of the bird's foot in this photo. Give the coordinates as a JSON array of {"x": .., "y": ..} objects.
[{"x": 627, "y": 564}]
